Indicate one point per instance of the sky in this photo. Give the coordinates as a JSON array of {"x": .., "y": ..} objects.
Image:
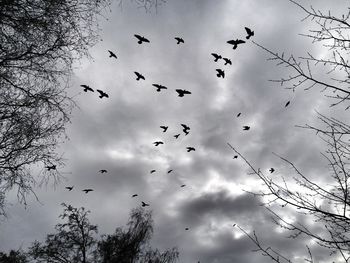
[{"x": 117, "y": 133}]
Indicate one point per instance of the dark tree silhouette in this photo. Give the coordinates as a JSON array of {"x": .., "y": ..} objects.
[
  {"x": 74, "y": 240},
  {"x": 132, "y": 245},
  {"x": 14, "y": 256},
  {"x": 39, "y": 42}
]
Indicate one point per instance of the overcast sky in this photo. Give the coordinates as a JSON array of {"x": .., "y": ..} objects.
[{"x": 117, "y": 133}]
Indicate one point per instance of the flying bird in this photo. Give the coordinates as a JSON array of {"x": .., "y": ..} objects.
[
  {"x": 102, "y": 94},
  {"x": 183, "y": 185},
  {"x": 159, "y": 87},
  {"x": 271, "y": 170},
  {"x": 235, "y": 157},
  {"x": 144, "y": 204},
  {"x": 103, "y": 171},
  {"x": 216, "y": 57},
  {"x": 227, "y": 61},
  {"x": 182, "y": 92},
  {"x": 111, "y": 54},
  {"x": 153, "y": 171},
  {"x": 179, "y": 40},
  {"x": 170, "y": 171},
  {"x": 87, "y": 190},
  {"x": 70, "y": 188},
  {"x": 185, "y": 127},
  {"x": 236, "y": 42},
  {"x": 164, "y": 128},
  {"x": 187, "y": 228},
  {"x": 157, "y": 143},
  {"x": 246, "y": 128},
  {"x": 220, "y": 73},
  {"x": 87, "y": 88},
  {"x": 250, "y": 32},
  {"x": 141, "y": 39},
  {"x": 134, "y": 195},
  {"x": 186, "y": 132},
  {"x": 52, "y": 167},
  {"x": 177, "y": 135},
  {"x": 190, "y": 149},
  {"x": 139, "y": 76},
  {"x": 239, "y": 114},
  {"x": 287, "y": 104}
]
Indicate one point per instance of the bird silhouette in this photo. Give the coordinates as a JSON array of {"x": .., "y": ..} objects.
[
  {"x": 170, "y": 171},
  {"x": 187, "y": 228},
  {"x": 179, "y": 40},
  {"x": 134, "y": 195},
  {"x": 185, "y": 127},
  {"x": 157, "y": 143},
  {"x": 186, "y": 132},
  {"x": 87, "y": 190},
  {"x": 177, "y": 135},
  {"x": 287, "y": 104},
  {"x": 236, "y": 42},
  {"x": 139, "y": 76},
  {"x": 220, "y": 73},
  {"x": 216, "y": 57},
  {"x": 271, "y": 170},
  {"x": 70, "y": 188},
  {"x": 103, "y": 171},
  {"x": 227, "y": 61},
  {"x": 144, "y": 204},
  {"x": 164, "y": 128},
  {"x": 250, "y": 32},
  {"x": 190, "y": 149},
  {"x": 183, "y": 185},
  {"x": 111, "y": 54},
  {"x": 87, "y": 88},
  {"x": 141, "y": 39},
  {"x": 235, "y": 157},
  {"x": 182, "y": 92},
  {"x": 102, "y": 94},
  {"x": 159, "y": 87},
  {"x": 239, "y": 114},
  {"x": 52, "y": 167},
  {"x": 153, "y": 171},
  {"x": 246, "y": 128}
]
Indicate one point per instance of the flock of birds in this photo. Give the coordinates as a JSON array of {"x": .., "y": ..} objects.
[{"x": 181, "y": 93}]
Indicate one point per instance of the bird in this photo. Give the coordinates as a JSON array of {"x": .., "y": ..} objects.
[
  {"x": 227, "y": 61},
  {"x": 153, "y": 171},
  {"x": 157, "y": 143},
  {"x": 186, "y": 132},
  {"x": 239, "y": 114},
  {"x": 144, "y": 204},
  {"x": 177, "y": 135},
  {"x": 187, "y": 228},
  {"x": 246, "y": 128},
  {"x": 250, "y": 32},
  {"x": 216, "y": 57},
  {"x": 103, "y": 171},
  {"x": 111, "y": 54},
  {"x": 185, "y": 127},
  {"x": 87, "y": 190},
  {"x": 287, "y": 104},
  {"x": 234, "y": 225},
  {"x": 139, "y": 76},
  {"x": 183, "y": 185},
  {"x": 179, "y": 40},
  {"x": 134, "y": 195},
  {"x": 87, "y": 88},
  {"x": 70, "y": 188},
  {"x": 141, "y": 39},
  {"x": 170, "y": 171},
  {"x": 52, "y": 167},
  {"x": 159, "y": 87},
  {"x": 220, "y": 73},
  {"x": 189, "y": 149},
  {"x": 182, "y": 92},
  {"x": 236, "y": 42},
  {"x": 164, "y": 128},
  {"x": 102, "y": 94},
  {"x": 235, "y": 157},
  {"x": 271, "y": 170}
]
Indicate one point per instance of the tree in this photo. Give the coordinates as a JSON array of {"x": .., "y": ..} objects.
[
  {"x": 327, "y": 205},
  {"x": 39, "y": 41},
  {"x": 132, "y": 245},
  {"x": 13, "y": 257},
  {"x": 73, "y": 241}
]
